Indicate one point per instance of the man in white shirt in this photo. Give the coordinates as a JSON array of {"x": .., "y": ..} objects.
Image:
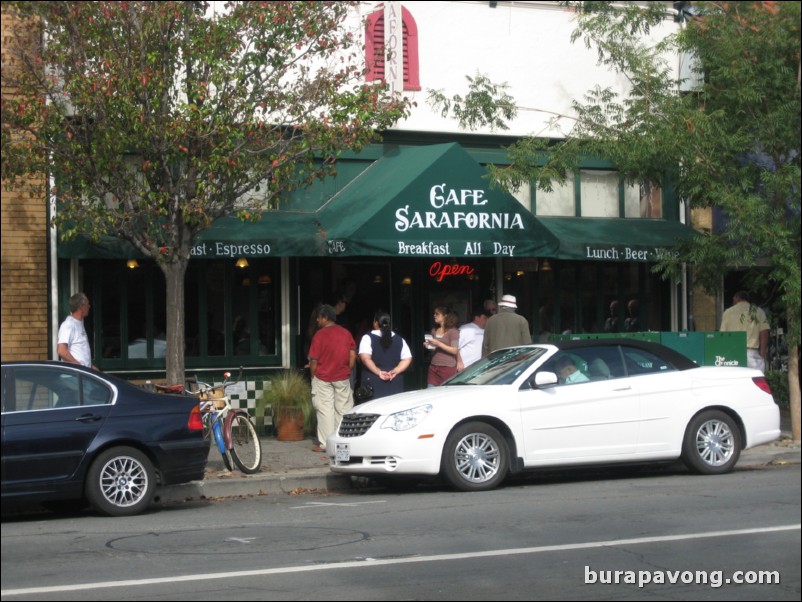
[
  {"x": 73, "y": 344},
  {"x": 471, "y": 336}
]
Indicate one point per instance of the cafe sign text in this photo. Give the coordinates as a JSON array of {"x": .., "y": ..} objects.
[
  {"x": 447, "y": 204},
  {"x": 627, "y": 253}
]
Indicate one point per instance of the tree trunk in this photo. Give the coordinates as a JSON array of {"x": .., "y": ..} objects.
[
  {"x": 793, "y": 390},
  {"x": 174, "y": 273}
]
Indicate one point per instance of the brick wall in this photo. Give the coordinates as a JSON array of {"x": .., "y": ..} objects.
[{"x": 24, "y": 283}]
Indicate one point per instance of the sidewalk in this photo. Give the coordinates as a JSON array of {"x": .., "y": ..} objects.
[{"x": 291, "y": 467}]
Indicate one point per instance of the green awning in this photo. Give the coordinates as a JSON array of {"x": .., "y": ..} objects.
[
  {"x": 107, "y": 248},
  {"x": 431, "y": 201},
  {"x": 610, "y": 239},
  {"x": 276, "y": 234}
]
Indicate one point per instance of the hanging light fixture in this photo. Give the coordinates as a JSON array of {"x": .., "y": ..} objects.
[
  {"x": 546, "y": 266},
  {"x": 242, "y": 263},
  {"x": 132, "y": 264}
]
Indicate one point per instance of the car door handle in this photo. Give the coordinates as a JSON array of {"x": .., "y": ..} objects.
[
  {"x": 89, "y": 418},
  {"x": 627, "y": 388}
]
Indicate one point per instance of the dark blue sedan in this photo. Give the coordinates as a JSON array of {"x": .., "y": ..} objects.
[{"x": 71, "y": 433}]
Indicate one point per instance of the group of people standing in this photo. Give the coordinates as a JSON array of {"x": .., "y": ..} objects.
[
  {"x": 385, "y": 355},
  {"x": 492, "y": 327}
]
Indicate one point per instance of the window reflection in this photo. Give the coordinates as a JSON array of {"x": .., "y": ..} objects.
[{"x": 228, "y": 312}]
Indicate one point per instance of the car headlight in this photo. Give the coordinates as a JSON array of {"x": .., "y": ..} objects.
[{"x": 402, "y": 421}]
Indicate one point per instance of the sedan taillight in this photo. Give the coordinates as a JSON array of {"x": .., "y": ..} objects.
[
  {"x": 762, "y": 384},
  {"x": 195, "y": 422}
]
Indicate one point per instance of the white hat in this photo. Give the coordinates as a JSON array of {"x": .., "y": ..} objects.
[{"x": 508, "y": 301}]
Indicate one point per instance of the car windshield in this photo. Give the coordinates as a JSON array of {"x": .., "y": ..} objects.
[{"x": 502, "y": 367}]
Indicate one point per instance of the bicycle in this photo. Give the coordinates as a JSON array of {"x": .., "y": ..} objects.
[{"x": 232, "y": 428}]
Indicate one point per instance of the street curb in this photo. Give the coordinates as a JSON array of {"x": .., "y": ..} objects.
[
  {"x": 254, "y": 485},
  {"x": 224, "y": 484}
]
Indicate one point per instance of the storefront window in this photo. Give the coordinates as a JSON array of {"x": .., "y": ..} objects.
[
  {"x": 587, "y": 298},
  {"x": 231, "y": 313}
]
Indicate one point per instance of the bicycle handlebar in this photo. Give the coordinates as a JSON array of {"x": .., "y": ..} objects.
[{"x": 202, "y": 386}]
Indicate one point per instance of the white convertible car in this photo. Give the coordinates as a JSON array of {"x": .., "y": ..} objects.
[{"x": 572, "y": 403}]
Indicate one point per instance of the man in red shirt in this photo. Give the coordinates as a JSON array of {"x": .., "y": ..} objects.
[{"x": 332, "y": 356}]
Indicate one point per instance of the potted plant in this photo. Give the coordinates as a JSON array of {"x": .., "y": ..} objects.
[{"x": 289, "y": 395}]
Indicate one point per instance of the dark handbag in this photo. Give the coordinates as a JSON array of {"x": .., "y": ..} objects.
[{"x": 363, "y": 393}]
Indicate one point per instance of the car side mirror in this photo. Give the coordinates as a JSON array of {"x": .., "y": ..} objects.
[{"x": 543, "y": 379}]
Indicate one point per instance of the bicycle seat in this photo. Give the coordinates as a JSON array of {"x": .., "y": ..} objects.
[{"x": 170, "y": 388}]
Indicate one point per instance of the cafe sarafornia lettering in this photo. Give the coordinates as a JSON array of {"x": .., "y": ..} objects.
[
  {"x": 446, "y": 203},
  {"x": 463, "y": 209}
]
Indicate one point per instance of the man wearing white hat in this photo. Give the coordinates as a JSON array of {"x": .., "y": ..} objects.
[{"x": 506, "y": 328}]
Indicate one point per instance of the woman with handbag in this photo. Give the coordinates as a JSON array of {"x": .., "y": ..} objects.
[{"x": 385, "y": 356}]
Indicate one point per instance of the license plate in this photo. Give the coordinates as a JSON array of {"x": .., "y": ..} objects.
[{"x": 342, "y": 452}]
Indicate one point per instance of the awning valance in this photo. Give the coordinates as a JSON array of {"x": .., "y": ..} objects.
[
  {"x": 276, "y": 234},
  {"x": 609, "y": 239}
]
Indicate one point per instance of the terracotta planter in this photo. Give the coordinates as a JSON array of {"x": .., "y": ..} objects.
[{"x": 289, "y": 424}]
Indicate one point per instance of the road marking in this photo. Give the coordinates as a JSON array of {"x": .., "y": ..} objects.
[
  {"x": 344, "y": 504},
  {"x": 241, "y": 539},
  {"x": 370, "y": 562}
]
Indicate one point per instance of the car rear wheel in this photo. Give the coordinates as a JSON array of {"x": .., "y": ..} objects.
[
  {"x": 712, "y": 443},
  {"x": 475, "y": 457},
  {"x": 121, "y": 482}
]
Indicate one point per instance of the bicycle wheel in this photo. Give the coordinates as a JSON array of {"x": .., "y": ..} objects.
[
  {"x": 246, "y": 451},
  {"x": 227, "y": 461}
]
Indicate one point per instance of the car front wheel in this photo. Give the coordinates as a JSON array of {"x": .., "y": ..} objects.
[
  {"x": 121, "y": 482},
  {"x": 712, "y": 443},
  {"x": 475, "y": 457}
]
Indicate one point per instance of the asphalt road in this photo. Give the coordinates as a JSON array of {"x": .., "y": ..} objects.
[{"x": 565, "y": 536}]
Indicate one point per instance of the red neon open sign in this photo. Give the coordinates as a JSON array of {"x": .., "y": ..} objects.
[{"x": 440, "y": 270}]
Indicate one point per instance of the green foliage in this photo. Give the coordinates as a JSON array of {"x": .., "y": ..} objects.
[
  {"x": 486, "y": 104},
  {"x": 778, "y": 381},
  {"x": 157, "y": 118},
  {"x": 735, "y": 137},
  {"x": 288, "y": 389},
  {"x": 731, "y": 142}
]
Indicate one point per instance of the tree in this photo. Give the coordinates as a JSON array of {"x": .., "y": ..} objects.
[
  {"x": 732, "y": 131},
  {"x": 156, "y": 118}
]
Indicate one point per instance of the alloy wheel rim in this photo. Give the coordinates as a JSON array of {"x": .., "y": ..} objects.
[
  {"x": 123, "y": 481},
  {"x": 477, "y": 458},
  {"x": 715, "y": 443}
]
